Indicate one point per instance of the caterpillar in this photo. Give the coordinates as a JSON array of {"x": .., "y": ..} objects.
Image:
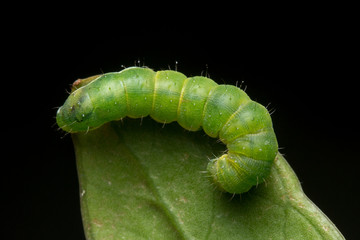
[{"x": 222, "y": 111}]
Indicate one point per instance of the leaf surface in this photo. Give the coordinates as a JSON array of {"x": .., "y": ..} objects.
[{"x": 144, "y": 180}]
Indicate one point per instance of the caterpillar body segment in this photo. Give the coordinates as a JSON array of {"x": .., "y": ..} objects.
[
  {"x": 166, "y": 97},
  {"x": 222, "y": 111},
  {"x": 194, "y": 96}
]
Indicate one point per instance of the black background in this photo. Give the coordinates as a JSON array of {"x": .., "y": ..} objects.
[{"x": 304, "y": 69}]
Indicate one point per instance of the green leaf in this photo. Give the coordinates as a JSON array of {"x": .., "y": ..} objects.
[{"x": 144, "y": 180}]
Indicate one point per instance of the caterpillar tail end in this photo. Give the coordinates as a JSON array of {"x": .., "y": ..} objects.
[{"x": 228, "y": 175}]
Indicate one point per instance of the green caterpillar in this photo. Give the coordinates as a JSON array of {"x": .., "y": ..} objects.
[{"x": 223, "y": 111}]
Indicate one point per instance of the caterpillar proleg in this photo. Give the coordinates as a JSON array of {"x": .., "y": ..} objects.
[{"x": 222, "y": 111}]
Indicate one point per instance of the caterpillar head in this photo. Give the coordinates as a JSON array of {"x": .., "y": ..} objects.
[{"x": 76, "y": 113}]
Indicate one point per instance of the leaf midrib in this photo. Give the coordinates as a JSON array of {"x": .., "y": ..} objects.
[{"x": 161, "y": 201}]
